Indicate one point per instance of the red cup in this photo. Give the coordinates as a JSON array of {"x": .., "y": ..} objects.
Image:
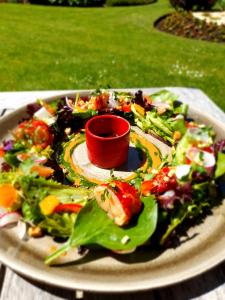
[{"x": 107, "y": 140}]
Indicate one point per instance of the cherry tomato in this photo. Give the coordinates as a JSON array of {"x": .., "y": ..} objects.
[
  {"x": 34, "y": 132},
  {"x": 162, "y": 182},
  {"x": 126, "y": 107}
]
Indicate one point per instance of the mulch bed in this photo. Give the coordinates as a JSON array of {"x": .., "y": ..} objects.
[{"x": 185, "y": 25}]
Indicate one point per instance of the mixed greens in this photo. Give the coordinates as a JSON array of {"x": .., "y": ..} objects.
[{"x": 156, "y": 205}]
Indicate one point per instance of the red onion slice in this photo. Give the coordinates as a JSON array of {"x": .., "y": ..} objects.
[
  {"x": 69, "y": 103},
  {"x": 41, "y": 159},
  {"x": 37, "y": 159},
  {"x": 201, "y": 157},
  {"x": 9, "y": 218},
  {"x": 167, "y": 199}
]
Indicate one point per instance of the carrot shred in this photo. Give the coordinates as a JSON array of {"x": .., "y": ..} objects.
[{"x": 42, "y": 170}]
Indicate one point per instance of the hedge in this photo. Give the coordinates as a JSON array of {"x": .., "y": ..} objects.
[{"x": 127, "y": 2}]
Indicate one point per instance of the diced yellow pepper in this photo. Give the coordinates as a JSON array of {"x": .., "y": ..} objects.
[
  {"x": 48, "y": 204},
  {"x": 139, "y": 109}
]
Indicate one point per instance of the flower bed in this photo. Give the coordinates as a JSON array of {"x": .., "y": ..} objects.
[{"x": 186, "y": 25}]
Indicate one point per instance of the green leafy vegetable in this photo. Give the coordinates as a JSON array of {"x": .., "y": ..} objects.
[
  {"x": 163, "y": 96},
  {"x": 11, "y": 156},
  {"x": 60, "y": 225},
  {"x": 202, "y": 199},
  {"x": 178, "y": 125},
  {"x": 84, "y": 114},
  {"x": 164, "y": 124},
  {"x": 220, "y": 166},
  {"x": 200, "y": 137},
  {"x": 175, "y": 106},
  {"x": 93, "y": 226},
  {"x": 159, "y": 123},
  {"x": 33, "y": 190}
]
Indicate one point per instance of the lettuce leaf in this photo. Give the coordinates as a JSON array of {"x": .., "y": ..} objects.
[
  {"x": 220, "y": 165},
  {"x": 59, "y": 225},
  {"x": 163, "y": 96},
  {"x": 33, "y": 190}
]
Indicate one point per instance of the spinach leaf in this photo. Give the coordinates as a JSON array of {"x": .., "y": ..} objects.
[{"x": 93, "y": 226}]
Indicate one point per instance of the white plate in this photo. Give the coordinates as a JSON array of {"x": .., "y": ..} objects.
[{"x": 102, "y": 271}]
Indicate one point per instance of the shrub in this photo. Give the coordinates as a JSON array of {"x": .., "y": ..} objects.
[
  {"x": 82, "y": 3},
  {"x": 193, "y": 4},
  {"x": 221, "y": 4},
  {"x": 127, "y": 2},
  {"x": 185, "y": 25},
  {"x": 87, "y": 2}
]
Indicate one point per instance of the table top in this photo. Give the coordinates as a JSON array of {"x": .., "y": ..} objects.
[{"x": 210, "y": 285}]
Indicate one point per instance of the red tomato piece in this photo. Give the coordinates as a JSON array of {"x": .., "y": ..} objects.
[
  {"x": 162, "y": 182},
  {"x": 126, "y": 108},
  {"x": 119, "y": 199},
  {"x": 68, "y": 207},
  {"x": 34, "y": 132},
  {"x": 128, "y": 196},
  {"x": 209, "y": 149},
  {"x": 2, "y": 152}
]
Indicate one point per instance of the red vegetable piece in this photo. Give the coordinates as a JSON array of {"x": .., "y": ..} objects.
[
  {"x": 2, "y": 152},
  {"x": 162, "y": 182},
  {"x": 68, "y": 207},
  {"x": 126, "y": 108},
  {"x": 119, "y": 199},
  {"x": 35, "y": 132}
]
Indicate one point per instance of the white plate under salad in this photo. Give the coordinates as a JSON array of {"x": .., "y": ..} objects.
[{"x": 105, "y": 272}]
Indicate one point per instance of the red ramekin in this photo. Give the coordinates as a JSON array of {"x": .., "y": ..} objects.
[{"x": 107, "y": 140}]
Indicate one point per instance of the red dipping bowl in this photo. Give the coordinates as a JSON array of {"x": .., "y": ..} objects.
[{"x": 107, "y": 140}]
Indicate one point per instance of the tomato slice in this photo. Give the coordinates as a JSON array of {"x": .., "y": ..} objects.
[
  {"x": 68, "y": 207},
  {"x": 34, "y": 132}
]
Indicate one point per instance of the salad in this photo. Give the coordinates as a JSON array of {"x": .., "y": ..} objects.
[{"x": 47, "y": 195}]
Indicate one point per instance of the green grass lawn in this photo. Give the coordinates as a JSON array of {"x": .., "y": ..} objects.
[{"x": 69, "y": 48}]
